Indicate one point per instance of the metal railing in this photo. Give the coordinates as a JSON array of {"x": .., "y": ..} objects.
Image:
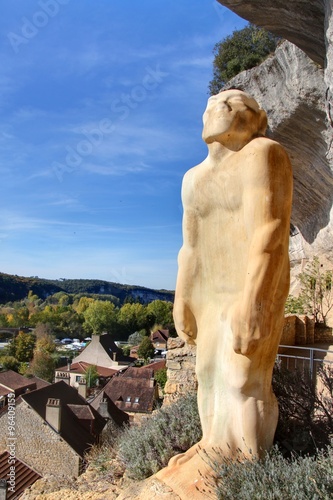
[{"x": 302, "y": 361}]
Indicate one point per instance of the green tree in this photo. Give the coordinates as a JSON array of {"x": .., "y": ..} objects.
[
  {"x": 132, "y": 317},
  {"x": 82, "y": 305},
  {"x": 22, "y": 347},
  {"x": 100, "y": 316},
  {"x": 44, "y": 339},
  {"x": 160, "y": 313},
  {"x": 20, "y": 316},
  {"x": 146, "y": 349},
  {"x": 9, "y": 363},
  {"x": 42, "y": 365},
  {"x": 242, "y": 50},
  {"x": 136, "y": 337},
  {"x": 3, "y": 320},
  {"x": 161, "y": 377},
  {"x": 91, "y": 376},
  {"x": 294, "y": 305},
  {"x": 317, "y": 290}
]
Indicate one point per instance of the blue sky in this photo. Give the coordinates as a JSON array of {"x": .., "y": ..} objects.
[{"x": 101, "y": 105}]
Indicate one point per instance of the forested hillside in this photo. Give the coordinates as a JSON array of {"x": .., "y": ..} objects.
[{"x": 13, "y": 288}]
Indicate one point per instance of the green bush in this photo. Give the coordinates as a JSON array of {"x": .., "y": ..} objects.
[
  {"x": 276, "y": 478},
  {"x": 147, "y": 448},
  {"x": 242, "y": 50}
]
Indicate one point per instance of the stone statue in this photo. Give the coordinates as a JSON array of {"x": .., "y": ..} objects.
[{"x": 232, "y": 284}]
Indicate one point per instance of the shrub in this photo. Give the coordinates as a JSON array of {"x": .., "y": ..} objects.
[
  {"x": 317, "y": 291},
  {"x": 242, "y": 50},
  {"x": 305, "y": 413},
  {"x": 174, "y": 429},
  {"x": 275, "y": 477},
  {"x": 161, "y": 377}
]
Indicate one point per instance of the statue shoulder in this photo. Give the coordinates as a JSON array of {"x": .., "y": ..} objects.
[
  {"x": 269, "y": 153},
  {"x": 192, "y": 173},
  {"x": 269, "y": 163},
  {"x": 268, "y": 146}
]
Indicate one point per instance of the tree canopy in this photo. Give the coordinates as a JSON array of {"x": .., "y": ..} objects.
[
  {"x": 242, "y": 50},
  {"x": 146, "y": 349},
  {"x": 100, "y": 317}
]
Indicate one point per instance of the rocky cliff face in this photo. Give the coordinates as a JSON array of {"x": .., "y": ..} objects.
[{"x": 295, "y": 87}]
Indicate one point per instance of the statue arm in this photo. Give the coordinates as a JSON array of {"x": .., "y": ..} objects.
[
  {"x": 267, "y": 205},
  {"x": 185, "y": 323}
]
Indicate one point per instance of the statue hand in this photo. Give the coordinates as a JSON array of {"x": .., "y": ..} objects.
[
  {"x": 246, "y": 329},
  {"x": 185, "y": 323}
]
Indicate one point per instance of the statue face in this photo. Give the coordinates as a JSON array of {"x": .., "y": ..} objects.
[{"x": 228, "y": 116}]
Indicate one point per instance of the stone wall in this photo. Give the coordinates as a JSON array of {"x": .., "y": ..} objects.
[
  {"x": 298, "y": 330},
  {"x": 38, "y": 445},
  {"x": 180, "y": 363},
  {"x": 323, "y": 335}
]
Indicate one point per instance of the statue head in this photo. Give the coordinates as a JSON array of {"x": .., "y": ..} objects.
[{"x": 233, "y": 118}]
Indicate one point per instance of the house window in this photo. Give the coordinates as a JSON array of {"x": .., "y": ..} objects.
[
  {"x": 128, "y": 399},
  {"x": 136, "y": 400},
  {"x": 78, "y": 378}
]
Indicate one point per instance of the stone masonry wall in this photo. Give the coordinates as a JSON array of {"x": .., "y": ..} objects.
[
  {"x": 180, "y": 363},
  {"x": 38, "y": 445},
  {"x": 298, "y": 330}
]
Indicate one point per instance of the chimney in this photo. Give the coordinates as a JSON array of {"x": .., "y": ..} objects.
[
  {"x": 103, "y": 408},
  {"x": 82, "y": 389},
  {"x": 69, "y": 364},
  {"x": 53, "y": 413},
  {"x": 151, "y": 382},
  {"x": 62, "y": 376},
  {"x": 114, "y": 356}
]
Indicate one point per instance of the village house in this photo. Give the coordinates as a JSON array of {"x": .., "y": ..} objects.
[
  {"x": 74, "y": 373},
  {"x": 54, "y": 428},
  {"x": 12, "y": 382},
  {"x": 159, "y": 339},
  {"x": 134, "y": 392},
  {"x": 102, "y": 351}
]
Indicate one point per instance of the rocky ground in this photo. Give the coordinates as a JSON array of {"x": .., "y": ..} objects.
[{"x": 94, "y": 485}]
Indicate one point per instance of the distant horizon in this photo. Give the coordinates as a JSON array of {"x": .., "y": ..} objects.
[
  {"x": 101, "y": 115},
  {"x": 86, "y": 279}
]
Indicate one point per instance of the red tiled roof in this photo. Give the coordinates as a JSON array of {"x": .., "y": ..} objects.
[{"x": 24, "y": 475}]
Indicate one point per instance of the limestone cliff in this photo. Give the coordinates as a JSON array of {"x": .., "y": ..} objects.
[{"x": 296, "y": 87}]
